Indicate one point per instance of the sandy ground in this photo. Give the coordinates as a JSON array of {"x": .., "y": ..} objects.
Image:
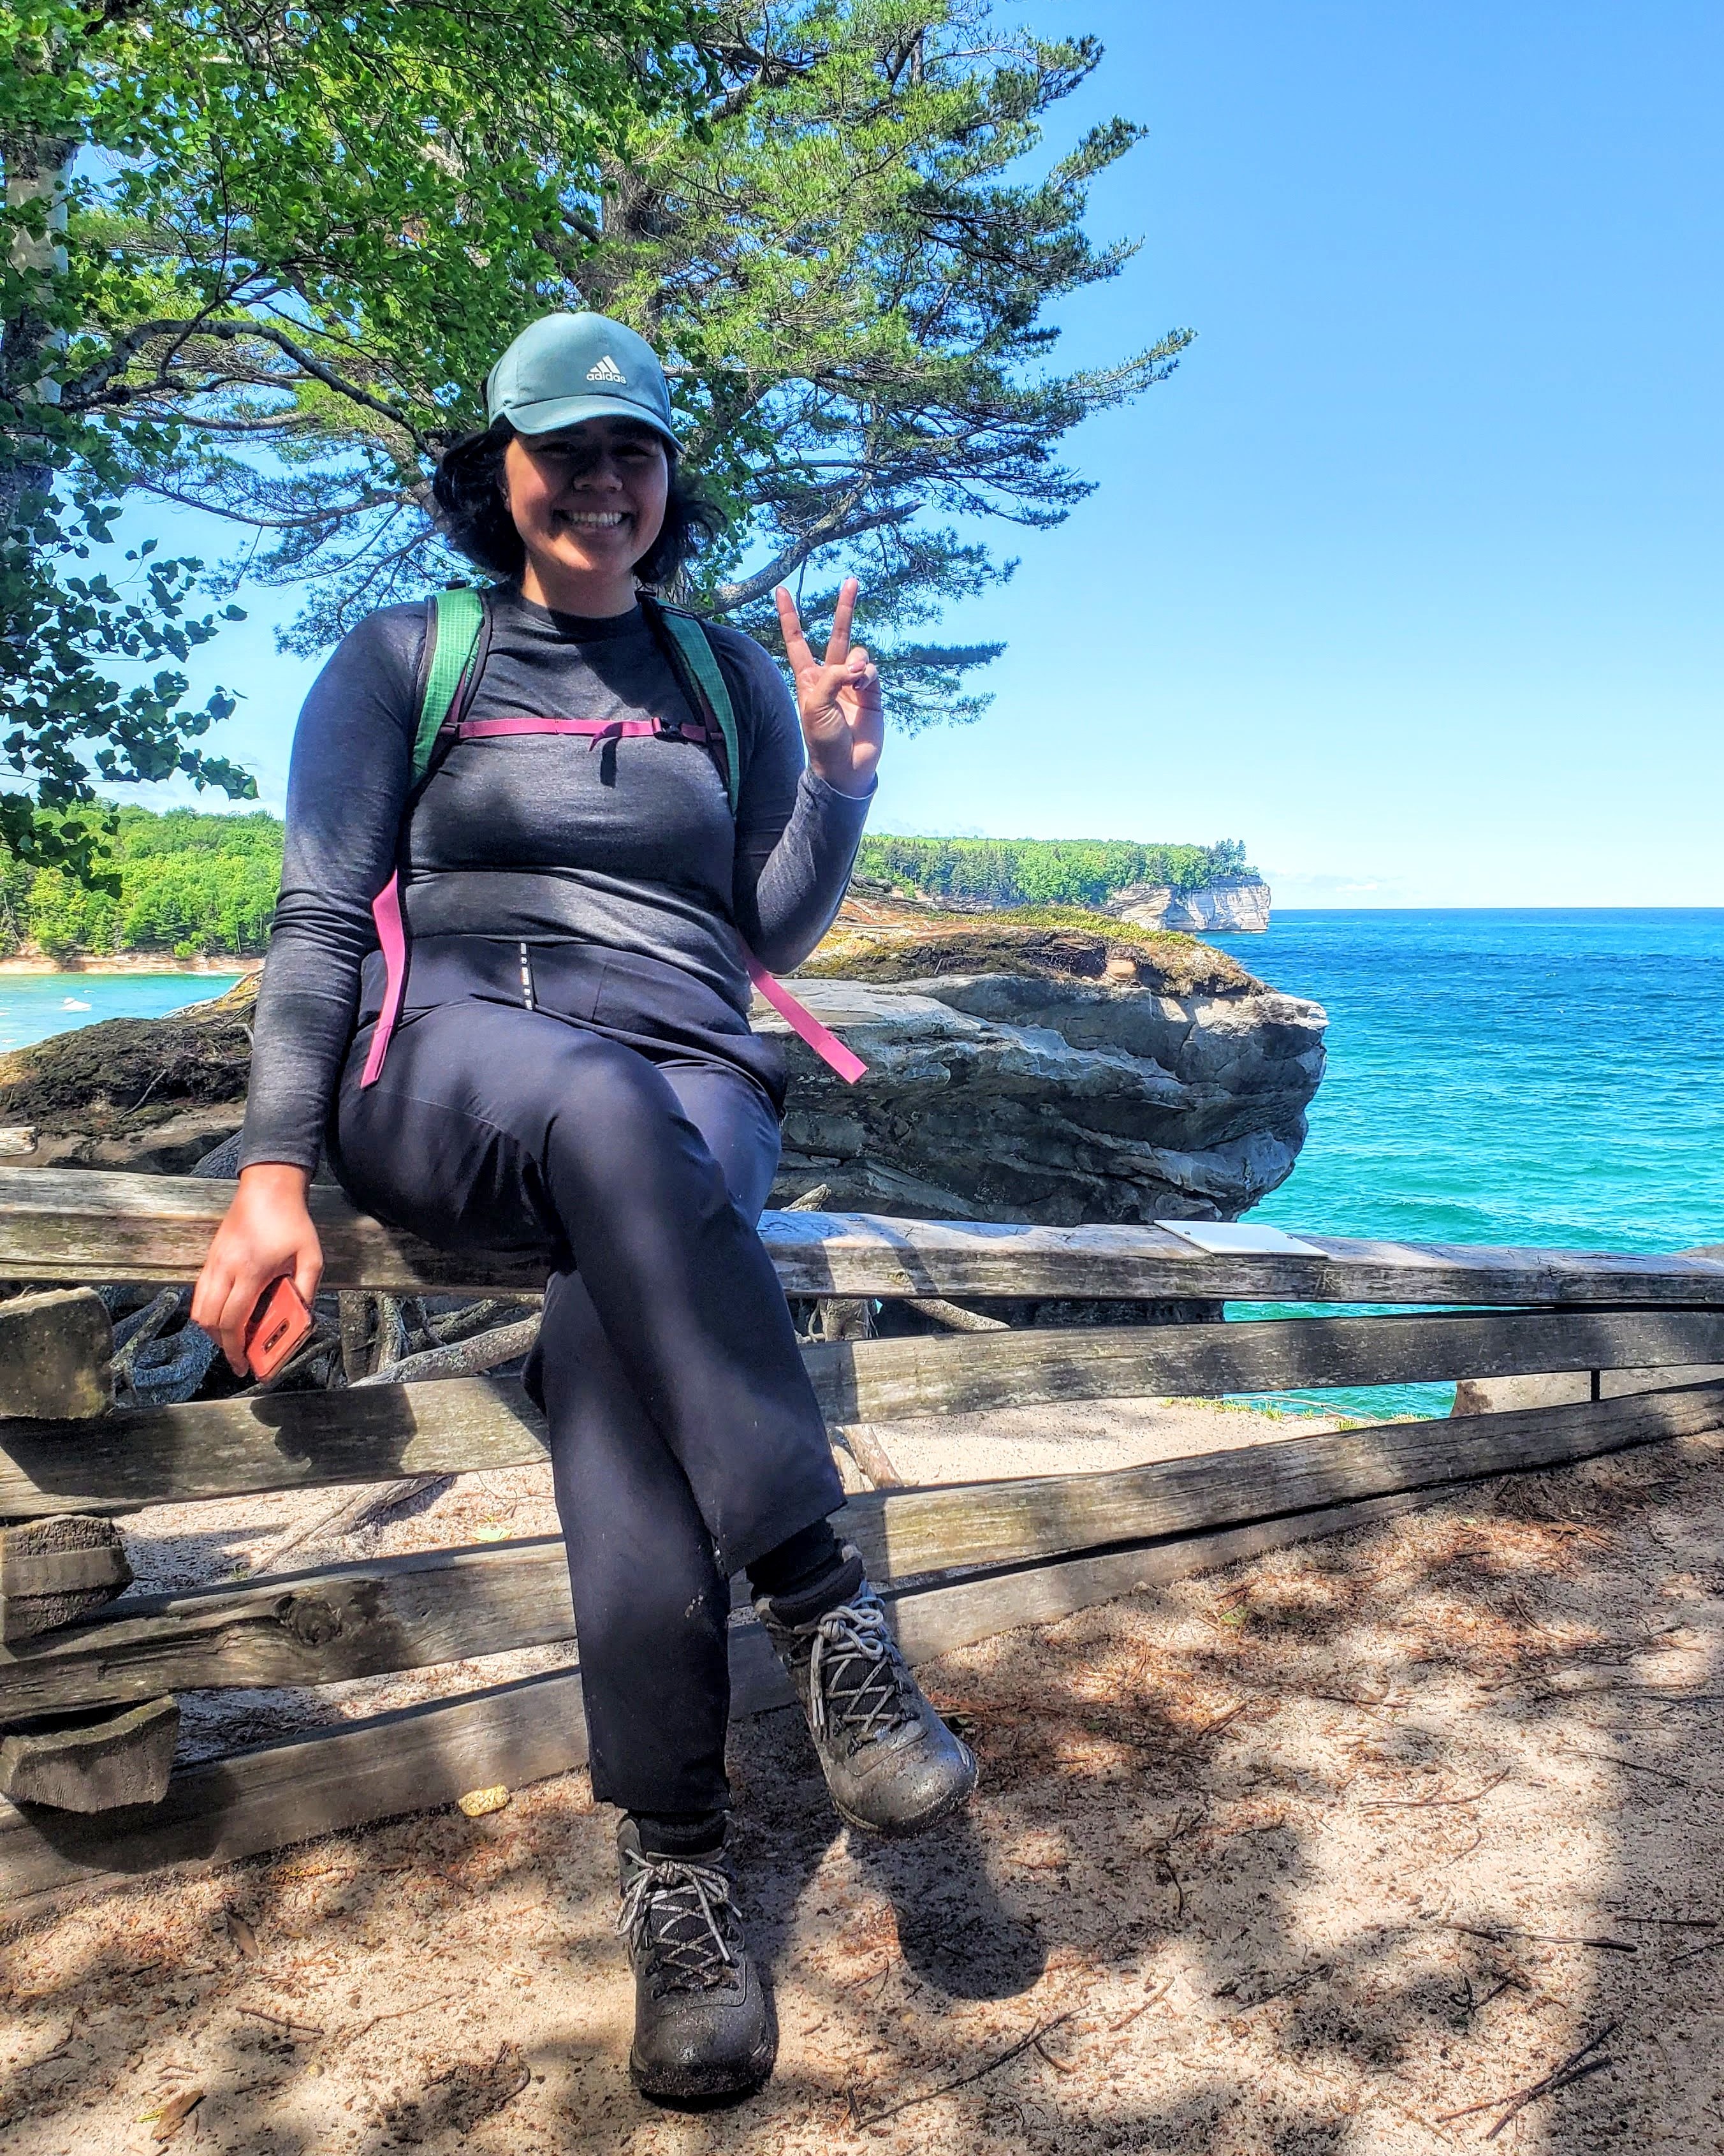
[{"x": 1338, "y": 1851}]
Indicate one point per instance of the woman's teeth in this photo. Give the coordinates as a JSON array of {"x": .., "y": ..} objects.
[{"x": 592, "y": 520}]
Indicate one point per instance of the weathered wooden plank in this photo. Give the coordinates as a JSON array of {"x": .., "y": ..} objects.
[
  {"x": 863, "y": 1254},
  {"x": 279, "y": 1441},
  {"x": 73, "y": 1225},
  {"x": 408, "y": 1761},
  {"x": 344, "y": 1621},
  {"x": 883, "y": 1380},
  {"x": 940, "y": 1618},
  {"x": 315, "y": 1627},
  {"x": 907, "y": 1532},
  {"x": 226, "y": 1448},
  {"x": 401, "y": 1613},
  {"x": 56, "y": 1351},
  {"x": 418, "y": 1758}
]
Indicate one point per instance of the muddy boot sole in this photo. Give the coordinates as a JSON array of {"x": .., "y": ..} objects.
[{"x": 700, "y": 2086}]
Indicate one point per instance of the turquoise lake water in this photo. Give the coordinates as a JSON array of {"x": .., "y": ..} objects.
[
  {"x": 1544, "y": 1077},
  {"x": 33, "y": 1005}
]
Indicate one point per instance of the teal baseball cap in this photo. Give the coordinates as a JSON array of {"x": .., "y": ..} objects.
[{"x": 564, "y": 368}]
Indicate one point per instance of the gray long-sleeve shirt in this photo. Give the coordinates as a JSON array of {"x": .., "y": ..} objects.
[{"x": 630, "y": 845}]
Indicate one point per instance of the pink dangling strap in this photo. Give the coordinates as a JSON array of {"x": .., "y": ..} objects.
[
  {"x": 802, "y": 1021},
  {"x": 391, "y": 939}
]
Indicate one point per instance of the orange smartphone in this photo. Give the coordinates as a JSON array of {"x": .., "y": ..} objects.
[{"x": 279, "y": 1325}]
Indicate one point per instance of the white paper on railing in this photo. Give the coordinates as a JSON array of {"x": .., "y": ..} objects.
[{"x": 1230, "y": 1239}]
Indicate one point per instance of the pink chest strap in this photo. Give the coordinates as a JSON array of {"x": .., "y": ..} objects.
[
  {"x": 391, "y": 937},
  {"x": 597, "y": 731}
]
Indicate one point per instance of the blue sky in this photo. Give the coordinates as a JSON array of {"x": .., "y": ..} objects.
[{"x": 1410, "y": 576}]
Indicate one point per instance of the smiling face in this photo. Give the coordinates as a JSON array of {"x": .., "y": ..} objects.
[{"x": 588, "y": 502}]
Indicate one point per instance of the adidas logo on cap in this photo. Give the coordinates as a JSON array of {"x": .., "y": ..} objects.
[{"x": 607, "y": 370}]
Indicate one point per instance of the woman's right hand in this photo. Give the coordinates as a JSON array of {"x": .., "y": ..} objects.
[
  {"x": 267, "y": 1234},
  {"x": 839, "y": 698}
]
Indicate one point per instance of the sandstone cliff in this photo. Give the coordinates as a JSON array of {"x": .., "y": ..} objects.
[
  {"x": 1008, "y": 1096},
  {"x": 1241, "y": 903}
]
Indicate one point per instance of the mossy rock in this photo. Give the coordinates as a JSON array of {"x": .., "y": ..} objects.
[
  {"x": 129, "y": 1074},
  {"x": 911, "y": 943}
]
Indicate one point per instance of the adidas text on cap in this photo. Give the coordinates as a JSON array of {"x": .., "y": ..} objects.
[{"x": 564, "y": 368}]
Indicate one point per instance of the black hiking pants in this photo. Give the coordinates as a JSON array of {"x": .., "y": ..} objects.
[{"x": 618, "y": 1116}]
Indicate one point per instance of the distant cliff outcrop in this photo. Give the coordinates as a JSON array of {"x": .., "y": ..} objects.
[
  {"x": 1179, "y": 887},
  {"x": 1233, "y": 904}
]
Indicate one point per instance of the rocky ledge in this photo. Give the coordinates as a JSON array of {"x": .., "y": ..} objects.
[
  {"x": 1052, "y": 1069},
  {"x": 1006, "y": 1096},
  {"x": 152, "y": 1094}
]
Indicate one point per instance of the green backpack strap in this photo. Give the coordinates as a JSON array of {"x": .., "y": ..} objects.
[
  {"x": 689, "y": 634},
  {"x": 457, "y": 623},
  {"x": 457, "y": 617}
]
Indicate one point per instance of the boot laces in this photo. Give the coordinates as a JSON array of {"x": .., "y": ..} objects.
[
  {"x": 855, "y": 1674},
  {"x": 684, "y": 1910}
]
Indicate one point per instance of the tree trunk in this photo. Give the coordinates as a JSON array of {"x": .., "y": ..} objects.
[{"x": 38, "y": 168}]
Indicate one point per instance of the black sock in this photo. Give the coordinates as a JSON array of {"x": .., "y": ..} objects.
[
  {"x": 806, "y": 1576},
  {"x": 679, "y": 1834}
]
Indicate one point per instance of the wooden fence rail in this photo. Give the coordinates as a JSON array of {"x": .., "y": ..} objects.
[
  {"x": 464, "y": 1426},
  {"x": 73, "y": 1225},
  {"x": 958, "y": 1562},
  {"x": 415, "y": 1757},
  {"x": 327, "y": 1625}
]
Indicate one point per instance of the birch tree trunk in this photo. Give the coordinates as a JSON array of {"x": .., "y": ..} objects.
[{"x": 39, "y": 168}]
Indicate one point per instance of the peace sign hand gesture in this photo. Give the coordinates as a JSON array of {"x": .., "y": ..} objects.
[{"x": 838, "y": 699}]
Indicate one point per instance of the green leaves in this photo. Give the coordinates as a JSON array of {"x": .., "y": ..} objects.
[
  {"x": 260, "y": 261},
  {"x": 301, "y": 231},
  {"x": 65, "y": 721},
  {"x": 179, "y": 881},
  {"x": 852, "y": 267}
]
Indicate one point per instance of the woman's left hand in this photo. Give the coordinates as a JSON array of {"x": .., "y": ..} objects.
[{"x": 838, "y": 699}]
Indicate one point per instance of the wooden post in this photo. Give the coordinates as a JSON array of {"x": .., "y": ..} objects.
[
  {"x": 57, "y": 1570},
  {"x": 102, "y": 1766},
  {"x": 55, "y": 1353}
]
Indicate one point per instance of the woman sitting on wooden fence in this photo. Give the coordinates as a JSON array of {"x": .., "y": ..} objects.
[{"x": 536, "y": 847}]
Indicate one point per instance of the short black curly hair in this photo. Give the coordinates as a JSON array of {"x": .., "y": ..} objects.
[{"x": 473, "y": 512}]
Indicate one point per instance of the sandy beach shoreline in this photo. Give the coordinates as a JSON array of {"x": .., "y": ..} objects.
[{"x": 128, "y": 962}]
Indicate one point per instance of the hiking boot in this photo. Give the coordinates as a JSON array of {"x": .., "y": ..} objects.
[
  {"x": 703, "y": 2028},
  {"x": 890, "y": 1762}
]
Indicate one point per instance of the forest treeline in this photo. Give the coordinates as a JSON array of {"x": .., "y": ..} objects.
[
  {"x": 189, "y": 884},
  {"x": 201, "y": 886},
  {"x": 1044, "y": 871}
]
